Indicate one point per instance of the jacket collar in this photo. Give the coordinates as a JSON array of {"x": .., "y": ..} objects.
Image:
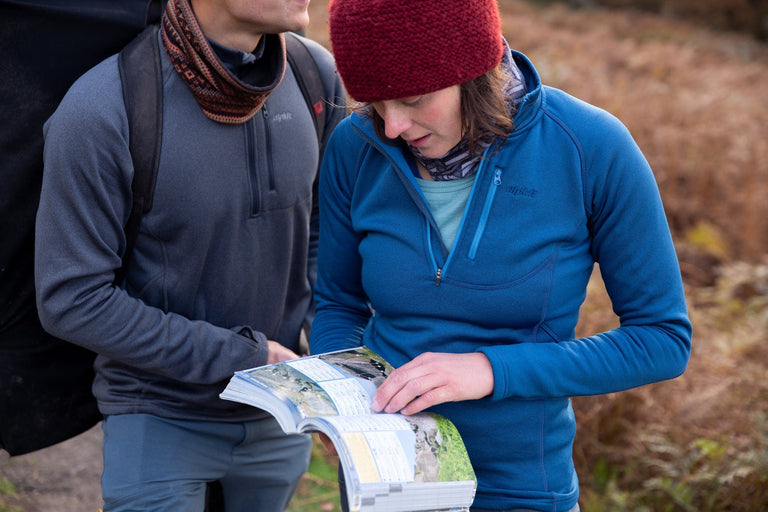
[{"x": 530, "y": 105}]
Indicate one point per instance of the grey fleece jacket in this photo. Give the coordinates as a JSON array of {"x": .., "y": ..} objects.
[{"x": 223, "y": 261}]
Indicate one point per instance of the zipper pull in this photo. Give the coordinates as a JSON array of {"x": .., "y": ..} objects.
[
  {"x": 497, "y": 177},
  {"x": 438, "y": 276}
]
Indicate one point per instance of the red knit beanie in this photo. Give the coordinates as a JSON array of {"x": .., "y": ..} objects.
[{"x": 388, "y": 49}]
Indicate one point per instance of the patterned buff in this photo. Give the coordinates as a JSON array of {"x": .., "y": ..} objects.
[
  {"x": 223, "y": 97},
  {"x": 458, "y": 162}
]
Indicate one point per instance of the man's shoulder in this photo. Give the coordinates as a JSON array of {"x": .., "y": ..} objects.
[
  {"x": 93, "y": 99},
  {"x": 93, "y": 94}
]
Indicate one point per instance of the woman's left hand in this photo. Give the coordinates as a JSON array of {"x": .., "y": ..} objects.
[{"x": 433, "y": 378}]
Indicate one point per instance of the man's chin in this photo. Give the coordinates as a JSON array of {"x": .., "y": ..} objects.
[
  {"x": 295, "y": 27},
  {"x": 301, "y": 24}
]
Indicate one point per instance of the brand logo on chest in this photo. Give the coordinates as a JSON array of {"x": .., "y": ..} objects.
[
  {"x": 521, "y": 191},
  {"x": 282, "y": 116}
]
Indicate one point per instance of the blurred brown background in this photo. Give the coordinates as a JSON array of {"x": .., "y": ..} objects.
[{"x": 690, "y": 80}]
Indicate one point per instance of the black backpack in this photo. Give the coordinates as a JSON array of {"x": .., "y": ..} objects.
[
  {"x": 45, "y": 383},
  {"x": 45, "y": 46}
]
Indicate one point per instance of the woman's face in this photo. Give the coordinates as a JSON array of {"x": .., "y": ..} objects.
[{"x": 430, "y": 123}]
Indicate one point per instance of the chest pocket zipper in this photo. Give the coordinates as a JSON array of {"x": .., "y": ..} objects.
[
  {"x": 250, "y": 144},
  {"x": 485, "y": 213},
  {"x": 260, "y": 171}
]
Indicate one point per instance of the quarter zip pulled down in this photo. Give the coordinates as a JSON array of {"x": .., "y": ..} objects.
[
  {"x": 479, "y": 231},
  {"x": 485, "y": 213},
  {"x": 438, "y": 270}
]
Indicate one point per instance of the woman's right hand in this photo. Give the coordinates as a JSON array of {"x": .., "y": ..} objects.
[{"x": 433, "y": 378}]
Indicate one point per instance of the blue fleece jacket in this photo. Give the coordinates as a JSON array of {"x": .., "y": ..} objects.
[{"x": 567, "y": 189}]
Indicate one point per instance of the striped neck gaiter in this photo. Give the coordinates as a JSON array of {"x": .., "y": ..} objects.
[{"x": 459, "y": 162}]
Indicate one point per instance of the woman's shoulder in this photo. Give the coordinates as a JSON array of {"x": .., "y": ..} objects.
[
  {"x": 576, "y": 112},
  {"x": 354, "y": 129},
  {"x": 588, "y": 124}
]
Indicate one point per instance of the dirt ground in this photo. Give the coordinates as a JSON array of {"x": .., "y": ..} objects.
[{"x": 62, "y": 478}]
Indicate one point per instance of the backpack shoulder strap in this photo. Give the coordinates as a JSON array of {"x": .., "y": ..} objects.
[
  {"x": 142, "y": 79},
  {"x": 154, "y": 11},
  {"x": 309, "y": 79}
]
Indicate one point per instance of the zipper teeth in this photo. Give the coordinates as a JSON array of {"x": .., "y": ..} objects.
[
  {"x": 429, "y": 246},
  {"x": 438, "y": 270},
  {"x": 270, "y": 153},
  {"x": 251, "y": 149},
  {"x": 486, "y": 212}
]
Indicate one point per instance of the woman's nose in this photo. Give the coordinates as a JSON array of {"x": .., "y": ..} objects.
[{"x": 396, "y": 121}]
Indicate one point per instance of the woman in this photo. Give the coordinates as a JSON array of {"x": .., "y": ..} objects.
[{"x": 462, "y": 213}]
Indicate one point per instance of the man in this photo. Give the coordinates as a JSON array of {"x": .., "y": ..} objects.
[{"x": 222, "y": 269}]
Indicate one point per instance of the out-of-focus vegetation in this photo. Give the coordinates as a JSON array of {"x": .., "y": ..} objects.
[
  {"x": 695, "y": 101},
  {"x": 688, "y": 78},
  {"x": 7, "y": 491},
  {"x": 697, "y": 443},
  {"x": 749, "y": 16},
  {"x": 318, "y": 490}
]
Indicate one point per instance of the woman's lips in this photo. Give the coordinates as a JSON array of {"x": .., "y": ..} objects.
[{"x": 418, "y": 141}]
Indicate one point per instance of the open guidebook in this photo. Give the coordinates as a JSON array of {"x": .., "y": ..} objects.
[{"x": 391, "y": 462}]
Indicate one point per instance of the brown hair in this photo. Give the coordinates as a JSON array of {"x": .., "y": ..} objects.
[{"x": 484, "y": 110}]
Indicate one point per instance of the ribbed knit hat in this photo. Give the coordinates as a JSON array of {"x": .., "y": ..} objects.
[{"x": 388, "y": 49}]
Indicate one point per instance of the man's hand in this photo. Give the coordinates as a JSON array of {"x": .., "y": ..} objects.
[
  {"x": 327, "y": 443},
  {"x": 434, "y": 378},
  {"x": 278, "y": 353}
]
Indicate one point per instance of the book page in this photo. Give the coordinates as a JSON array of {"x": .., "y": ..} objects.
[
  {"x": 301, "y": 393},
  {"x": 381, "y": 446},
  {"x": 397, "y": 462},
  {"x": 337, "y": 383},
  {"x": 316, "y": 369},
  {"x": 348, "y": 396},
  {"x": 422, "y": 447}
]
